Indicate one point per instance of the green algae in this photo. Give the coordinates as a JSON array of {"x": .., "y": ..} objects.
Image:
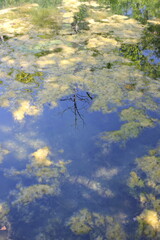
[
  {"x": 27, "y": 77},
  {"x": 4, "y": 210},
  {"x": 136, "y": 119},
  {"x": 96, "y": 225},
  {"x": 43, "y": 53},
  {"x": 150, "y": 165},
  {"x": 135, "y": 180},
  {"x": 115, "y": 230},
  {"x": 148, "y": 194},
  {"x": 47, "y": 173},
  {"x": 81, "y": 223},
  {"x": 46, "y": 52},
  {"x": 31, "y": 193},
  {"x": 109, "y": 90},
  {"x": 148, "y": 225},
  {"x": 45, "y": 36},
  {"x": 3, "y": 152}
]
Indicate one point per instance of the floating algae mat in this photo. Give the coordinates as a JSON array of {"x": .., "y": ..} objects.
[{"x": 79, "y": 126}]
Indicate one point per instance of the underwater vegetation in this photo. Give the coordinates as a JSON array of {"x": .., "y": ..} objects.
[
  {"x": 135, "y": 180},
  {"x": 81, "y": 223},
  {"x": 147, "y": 189},
  {"x": 4, "y": 221},
  {"x": 149, "y": 225},
  {"x": 46, "y": 52},
  {"x": 4, "y": 210},
  {"x": 96, "y": 225},
  {"x": 136, "y": 120},
  {"x": 48, "y": 178},
  {"x": 3, "y": 152},
  {"x": 30, "y": 194},
  {"x": 27, "y": 77}
]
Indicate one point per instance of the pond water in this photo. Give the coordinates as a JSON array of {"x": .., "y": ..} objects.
[{"x": 79, "y": 126}]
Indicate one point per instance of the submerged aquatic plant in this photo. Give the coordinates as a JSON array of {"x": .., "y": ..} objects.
[
  {"x": 34, "y": 192},
  {"x": 81, "y": 223},
  {"x": 25, "y": 77},
  {"x": 136, "y": 119},
  {"x": 46, "y": 52},
  {"x": 148, "y": 194},
  {"x": 96, "y": 225},
  {"x": 135, "y": 180},
  {"x": 3, "y": 152},
  {"x": 149, "y": 225},
  {"x": 4, "y": 210}
]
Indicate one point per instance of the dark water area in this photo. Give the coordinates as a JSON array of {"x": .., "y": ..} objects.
[{"x": 79, "y": 126}]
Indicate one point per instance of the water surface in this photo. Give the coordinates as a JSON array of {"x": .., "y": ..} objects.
[{"x": 79, "y": 142}]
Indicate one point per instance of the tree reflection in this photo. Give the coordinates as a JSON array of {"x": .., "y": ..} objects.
[{"x": 79, "y": 100}]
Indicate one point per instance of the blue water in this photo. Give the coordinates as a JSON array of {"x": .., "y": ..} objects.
[{"x": 82, "y": 145}]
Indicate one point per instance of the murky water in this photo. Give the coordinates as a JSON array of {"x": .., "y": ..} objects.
[{"x": 79, "y": 105}]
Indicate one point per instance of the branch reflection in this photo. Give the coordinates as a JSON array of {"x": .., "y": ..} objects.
[{"x": 78, "y": 101}]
